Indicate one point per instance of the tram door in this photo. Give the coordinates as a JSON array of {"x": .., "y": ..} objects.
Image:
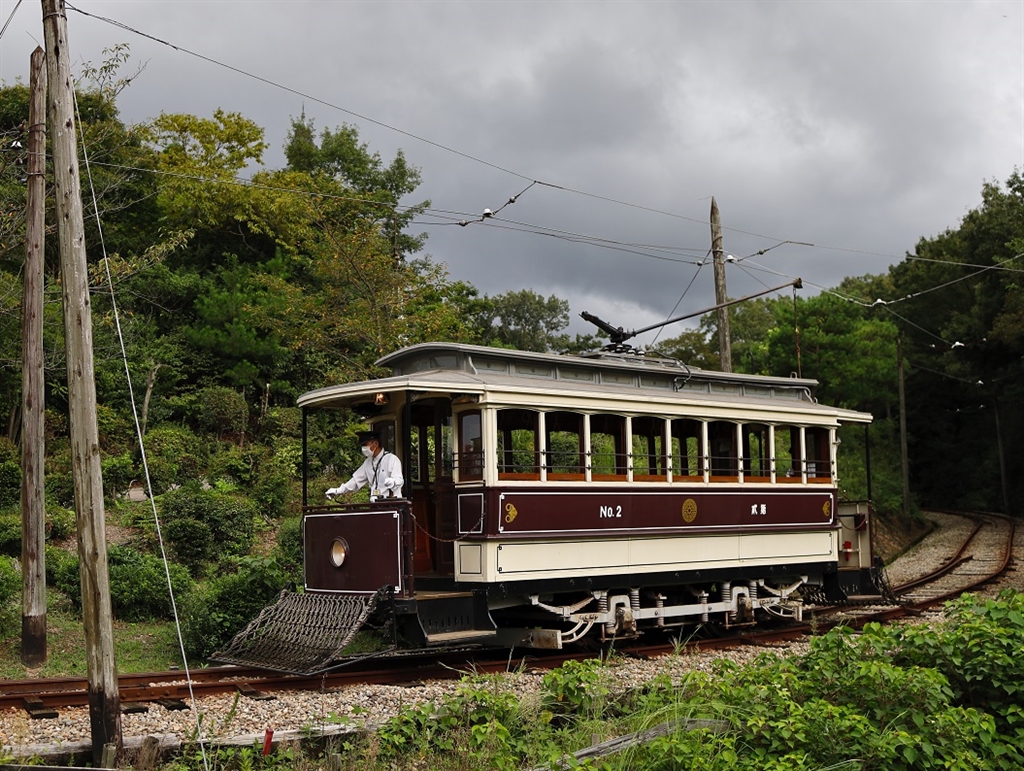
[{"x": 431, "y": 477}]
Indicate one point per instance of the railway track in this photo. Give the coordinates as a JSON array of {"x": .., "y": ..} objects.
[{"x": 984, "y": 554}]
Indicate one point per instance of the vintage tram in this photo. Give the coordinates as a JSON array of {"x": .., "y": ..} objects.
[{"x": 550, "y": 498}]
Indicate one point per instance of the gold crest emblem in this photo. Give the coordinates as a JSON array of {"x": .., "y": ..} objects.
[
  {"x": 689, "y": 510},
  {"x": 511, "y": 514},
  {"x": 826, "y": 509}
]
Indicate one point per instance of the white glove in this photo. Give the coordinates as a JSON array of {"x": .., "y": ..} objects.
[
  {"x": 334, "y": 491},
  {"x": 389, "y": 483}
]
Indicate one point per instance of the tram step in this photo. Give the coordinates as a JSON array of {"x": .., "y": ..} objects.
[
  {"x": 471, "y": 635},
  {"x": 447, "y": 617}
]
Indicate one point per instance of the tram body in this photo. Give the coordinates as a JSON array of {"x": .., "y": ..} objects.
[{"x": 551, "y": 497}]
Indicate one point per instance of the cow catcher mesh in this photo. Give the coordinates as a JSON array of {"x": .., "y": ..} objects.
[{"x": 301, "y": 634}]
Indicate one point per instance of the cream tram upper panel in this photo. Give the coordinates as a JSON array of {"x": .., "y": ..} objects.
[{"x": 531, "y": 380}]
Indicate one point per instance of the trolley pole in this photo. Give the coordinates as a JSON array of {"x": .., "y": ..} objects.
[
  {"x": 33, "y": 505},
  {"x": 718, "y": 257},
  {"x": 104, "y": 698}
]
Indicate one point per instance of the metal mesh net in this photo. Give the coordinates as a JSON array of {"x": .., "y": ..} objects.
[{"x": 301, "y": 634}]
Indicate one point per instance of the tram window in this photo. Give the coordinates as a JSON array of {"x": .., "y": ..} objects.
[
  {"x": 648, "y": 444},
  {"x": 787, "y": 454},
  {"x": 724, "y": 457},
  {"x": 386, "y": 429},
  {"x": 687, "y": 449},
  {"x": 414, "y": 467},
  {"x": 756, "y": 452},
  {"x": 819, "y": 466},
  {"x": 518, "y": 449},
  {"x": 607, "y": 447},
  {"x": 444, "y": 460},
  {"x": 564, "y": 445},
  {"x": 470, "y": 460}
]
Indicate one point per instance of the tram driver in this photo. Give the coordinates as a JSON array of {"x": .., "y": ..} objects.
[{"x": 382, "y": 470}]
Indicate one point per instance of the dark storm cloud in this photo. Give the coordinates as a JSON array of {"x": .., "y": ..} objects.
[{"x": 858, "y": 125}]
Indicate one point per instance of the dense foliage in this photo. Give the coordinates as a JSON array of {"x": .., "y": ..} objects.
[{"x": 943, "y": 697}]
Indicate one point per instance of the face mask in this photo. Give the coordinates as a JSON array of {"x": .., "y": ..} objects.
[{"x": 367, "y": 452}]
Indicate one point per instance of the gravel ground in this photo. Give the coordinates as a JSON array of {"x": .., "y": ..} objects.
[{"x": 245, "y": 720}]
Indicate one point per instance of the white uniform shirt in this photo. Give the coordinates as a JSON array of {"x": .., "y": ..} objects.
[{"x": 376, "y": 471}]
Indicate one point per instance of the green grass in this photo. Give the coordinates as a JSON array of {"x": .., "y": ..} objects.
[{"x": 138, "y": 647}]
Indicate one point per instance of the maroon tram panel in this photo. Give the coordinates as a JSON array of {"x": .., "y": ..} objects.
[
  {"x": 373, "y": 551},
  {"x": 596, "y": 512}
]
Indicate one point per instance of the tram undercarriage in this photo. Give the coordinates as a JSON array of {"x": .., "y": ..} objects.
[{"x": 554, "y": 622}]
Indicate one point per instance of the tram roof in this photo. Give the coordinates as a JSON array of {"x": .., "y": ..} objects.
[{"x": 456, "y": 368}]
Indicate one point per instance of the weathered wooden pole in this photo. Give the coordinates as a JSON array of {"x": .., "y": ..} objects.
[
  {"x": 33, "y": 506},
  {"x": 104, "y": 699},
  {"x": 718, "y": 258}
]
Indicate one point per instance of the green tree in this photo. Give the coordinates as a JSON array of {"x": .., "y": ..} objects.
[
  {"x": 851, "y": 354},
  {"x": 362, "y": 176},
  {"x": 524, "y": 320},
  {"x": 962, "y": 322}
]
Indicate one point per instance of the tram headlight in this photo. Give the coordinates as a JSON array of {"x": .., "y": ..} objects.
[{"x": 339, "y": 551}]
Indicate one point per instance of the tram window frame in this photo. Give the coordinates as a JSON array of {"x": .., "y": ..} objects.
[
  {"x": 688, "y": 443},
  {"x": 757, "y": 453},
  {"x": 788, "y": 452},
  {"x": 559, "y": 426},
  {"x": 723, "y": 450},
  {"x": 469, "y": 460},
  {"x": 513, "y": 426},
  {"x": 647, "y": 441},
  {"x": 607, "y": 427},
  {"x": 817, "y": 448}
]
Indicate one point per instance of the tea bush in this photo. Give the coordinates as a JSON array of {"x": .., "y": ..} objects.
[
  {"x": 10, "y": 580},
  {"x": 205, "y": 526},
  {"x": 212, "y": 613},
  {"x": 138, "y": 582},
  {"x": 138, "y": 585}
]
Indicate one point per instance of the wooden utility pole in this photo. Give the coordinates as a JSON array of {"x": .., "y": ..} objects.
[
  {"x": 904, "y": 454},
  {"x": 104, "y": 699},
  {"x": 33, "y": 506},
  {"x": 718, "y": 256}
]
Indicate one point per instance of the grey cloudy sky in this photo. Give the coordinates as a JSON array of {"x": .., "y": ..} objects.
[{"x": 858, "y": 127}]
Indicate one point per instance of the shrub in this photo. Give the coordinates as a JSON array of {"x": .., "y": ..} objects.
[
  {"x": 282, "y": 422},
  {"x": 213, "y": 613},
  {"x": 138, "y": 585},
  {"x": 10, "y": 530},
  {"x": 62, "y": 574},
  {"x": 10, "y": 580},
  {"x": 60, "y": 484},
  {"x": 175, "y": 457},
  {"x": 222, "y": 411},
  {"x": 60, "y": 522},
  {"x": 232, "y": 463},
  {"x": 118, "y": 473},
  {"x": 205, "y": 525},
  {"x": 978, "y": 649},
  {"x": 10, "y": 482},
  {"x": 577, "y": 687},
  {"x": 289, "y": 544},
  {"x": 275, "y": 485},
  {"x": 480, "y": 716}
]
